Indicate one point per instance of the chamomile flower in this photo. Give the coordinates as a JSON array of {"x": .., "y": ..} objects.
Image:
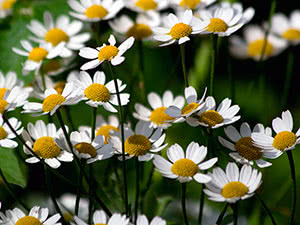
[
  {"x": 95, "y": 10},
  {"x": 193, "y": 105},
  {"x": 6, "y": 7},
  {"x": 254, "y": 44},
  {"x": 185, "y": 167},
  {"x": 284, "y": 140},
  {"x": 12, "y": 99},
  {"x": 234, "y": 185},
  {"x": 287, "y": 28},
  {"x": 143, "y": 143},
  {"x": 211, "y": 117},
  {"x": 104, "y": 53},
  {"x": 98, "y": 93},
  {"x": 243, "y": 149},
  {"x": 41, "y": 138},
  {"x": 225, "y": 18},
  {"x": 52, "y": 100},
  {"x": 142, "y": 6},
  {"x": 140, "y": 29},
  {"x": 191, "y": 4},
  {"x": 37, "y": 215},
  {"x": 60, "y": 31},
  {"x": 142, "y": 220},
  {"x": 179, "y": 29},
  {"x": 6, "y": 135}
]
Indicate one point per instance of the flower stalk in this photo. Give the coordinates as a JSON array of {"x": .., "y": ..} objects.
[
  {"x": 183, "y": 199},
  {"x": 182, "y": 53}
]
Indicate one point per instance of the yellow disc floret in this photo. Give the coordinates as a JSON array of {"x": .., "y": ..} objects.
[
  {"x": 52, "y": 101},
  {"x": 139, "y": 31},
  {"x": 180, "y": 30},
  {"x": 46, "y": 148},
  {"x": 2, "y": 92},
  {"x": 211, "y": 118},
  {"x": 234, "y": 189},
  {"x": 291, "y": 34},
  {"x": 246, "y": 149},
  {"x": 86, "y": 148},
  {"x": 108, "y": 53},
  {"x": 284, "y": 140},
  {"x": 146, "y": 4},
  {"x": 55, "y": 36},
  {"x": 3, "y": 133},
  {"x": 137, "y": 145},
  {"x": 105, "y": 131},
  {"x": 68, "y": 217},
  {"x": 51, "y": 66},
  {"x": 37, "y": 54},
  {"x": 256, "y": 47},
  {"x": 3, "y": 105},
  {"x": 28, "y": 220},
  {"x": 190, "y": 4},
  {"x": 184, "y": 168},
  {"x": 7, "y": 4},
  {"x": 217, "y": 25},
  {"x": 189, "y": 108},
  {"x": 96, "y": 12},
  {"x": 97, "y": 92},
  {"x": 159, "y": 117}
]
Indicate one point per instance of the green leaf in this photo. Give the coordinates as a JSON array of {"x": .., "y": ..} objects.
[{"x": 14, "y": 170}]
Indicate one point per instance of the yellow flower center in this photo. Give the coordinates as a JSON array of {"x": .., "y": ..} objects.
[
  {"x": 255, "y": 48},
  {"x": 52, "y": 101},
  {"x": 59, "y": 87},
  {"x": 28, "y": 220},
  {"x": 291, "y": 34},
  {"x": 217, "y": 25},
  {"x": 3, "y": 133},
  {"x": 46, "y": 147},
  {"x": 246, "y": 149},
  {"x": 8, "y": 4},
  {"x": 2, "y": 92},
  {"x": 37, "y": 54},
  {"x": 139, "y": 31},
  {"x": 108, "y": 53},
  {"x": 99, "y": 224},
  {"x": 3, "y": 105},
  {"x": 211, "y": 118},
  {"x": 234, "y": 189},
  {"x": 51, "y": 66},
  {"x": 284, "y": 140},
  {"x": 184, "y": 168},
  {"x": 146, "y": 4},
  {"x": 97, "y": 93},
  {"x": 180, "y": 30},
  {"x": 137, "y": 145},
  {"x": 189, "y": 108},
  {"x": 96, "y": 11},
  {"x": 158, "y": 116},
  {"x": 86, "y": 148},
  {"x": 67, "y": 217},
  {"x": 55, "y": 36},
  {"x": 105, "y": 131},
  {"x": 190, "y": 4}
]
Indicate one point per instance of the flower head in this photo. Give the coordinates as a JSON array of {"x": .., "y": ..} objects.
[
  {"x": 6, "y": 134},
  {"x": 6, "y": 7},
  {"x": 191, "y": 4},
  {"x": 13, "y": 99},
  {"x": 9, "y": 81},
  {"x": 145, "y": 6}
]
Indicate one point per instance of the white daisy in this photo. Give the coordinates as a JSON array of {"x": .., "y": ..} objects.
[
  {"x": 191, "y": 4},
  {"x": 193, "y": 105},
  {"x": 142, "y": 220},
  {"x": 234, "y": 185},
  {"x": 254, "y": 44},
  {"x": 6, "y": 134},
  {"x": 225, "y": 18},
  {"x": 142, "y": 6},
  {"x": 185, "y": 167},
  {"x": 284, "y": 140},
  {"x": 6, "y": 7},
  {"x": 98, "y": 93},
  {"x": 95, "y": 10},
  {"x": 179, "y": 29},
  {"x": 142, "y": 143},
  {"x": 108, "y": 53},
  {"x": 52, "y": 100},
  {"x": 42, "y": 140},
  {"x": 157, "y": 115},
  {"x": 211, "y": 117},
  {"x": 243, "y": 149},
  {"x": 287, "y": 28}
]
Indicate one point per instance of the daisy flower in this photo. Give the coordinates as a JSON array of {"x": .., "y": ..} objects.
[
  {"x": 179, "y": 29},
  {"x": 253, "y": 44},
  {"x": 104, "y": 53},
  {"x": 6, "y": 7},
  {"x": 243, "y": 149},
  {"x": 60, "y": 31},
  {"x": 52, "y": 100},
  {"x": 284, "y": 140},
  {"x": 41, "y": 138},
  {"x": 142, "y": 6},
  {"x": 192, "y": 4},
  {"x": 6, "y": 135},
  {"x": 36, "y": 215},
  {"x": 157, "y": 115},
  {"x": 142, "y": 220},
  {"x": 142, "y": 143},
  {"x": 185, "y": 167},
  {"x": 233, "y": 185},
  {"x": 193, "y": 105},
  {"x": 140, "y": 29},
  {"x": 287, "y": 28},
  {"x": 211, "y": 117},
  {"x": 98, "y": 93},
  {"x": 99, "y": 217}
]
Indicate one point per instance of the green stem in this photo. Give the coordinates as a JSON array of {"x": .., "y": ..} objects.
[
  {"x": 266, "y": 208},
  {"x": 141, "y": 72},
  {"x": 137, "y": 193},
  {"x": 68, "y": 113},
  {"x": 213, "y": 62},
  {"x": 182, "y": 52},
  {"x": 43, "y": 80},
  {"x": 288, "y": 78},
  {"x": 93, "y": 125},
  {"x": 221, "y": 216},
  {"x": 231, "y": 78},
  {"x": 201, "y": 206},
  {"x": 149, "y": 182},
  {"x": 183, "y": 197},
  {"x": 293, "y": 175},
  {"x": 78, "y": 194},
  {"x": 90, "y": 192},
  {"x": 235, "y": 213}
]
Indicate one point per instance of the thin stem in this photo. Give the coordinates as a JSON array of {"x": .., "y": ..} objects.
[
  {"x": 183, "y": 197},
  {"x": 201, "y": 206},
  {"x": 235, "y": 213},
  {"x": 182, "y": 52},
  {"x": 122, "y": 138},
  {"x": 43, "y": 80},
  {"x": 137, "y": 193},
  {"x": 229, "y": 70},
  {"x": 90, "y": 192},
  {"x": 213, "y": 63},
  {"x": 221, "y": 216},
  {"x": 11, "y": 192},
  {"x": 93, "y": 125},
  {"x": 266, "y": 208},
  {"x": 293, "y": 175},
  {"x": 288, "y": 77},
  {"x": 68, "y": 113},
  {"x": 141, "y": 72},
  {"x": 78, "y": 193},
  {"x": 149, "y": 182}
]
